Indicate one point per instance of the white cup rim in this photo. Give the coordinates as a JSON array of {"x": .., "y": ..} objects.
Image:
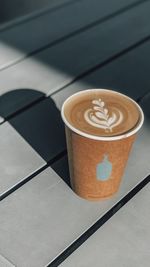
[{"x": 103, "y": 138}]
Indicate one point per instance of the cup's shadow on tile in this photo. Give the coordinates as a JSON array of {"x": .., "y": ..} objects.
[
  {"x": 17, "y": 99},
  {"x": 62, "y": 169},
  {"x": 40, "y": 125}
]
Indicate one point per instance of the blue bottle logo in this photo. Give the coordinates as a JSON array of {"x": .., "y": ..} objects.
[{"x": 104, "y": 169}]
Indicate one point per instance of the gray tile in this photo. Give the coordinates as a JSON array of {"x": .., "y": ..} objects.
[
  {"x": 122, "y": 241},
  {"x": 45, "y": 216},
  {"x": 57, "y": 66},
  {"x": 18, "y": 159},
  {"x": 18, "y": 41}
]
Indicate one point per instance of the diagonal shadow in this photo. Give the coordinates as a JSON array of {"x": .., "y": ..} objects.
[{"x": 41, "y": 127}]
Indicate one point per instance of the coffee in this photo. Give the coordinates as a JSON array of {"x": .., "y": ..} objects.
[
  {"x": 102, "y": 113},
  {"x": 101, "y": 126}
]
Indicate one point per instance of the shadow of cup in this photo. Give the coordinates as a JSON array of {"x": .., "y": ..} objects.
[{"x": 40, "y": 125}]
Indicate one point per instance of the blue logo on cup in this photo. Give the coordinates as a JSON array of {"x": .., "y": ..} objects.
[{"x": 104, "y": 169}]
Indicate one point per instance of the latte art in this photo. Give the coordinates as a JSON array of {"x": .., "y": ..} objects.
[
  {"x": 100, "y": 117},
  {"x": 101, "y": 112}
]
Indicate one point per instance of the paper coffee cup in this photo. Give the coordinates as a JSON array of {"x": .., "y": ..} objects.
[{"x": 97, "y": 163}]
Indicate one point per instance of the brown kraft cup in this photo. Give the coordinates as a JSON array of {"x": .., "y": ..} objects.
[{"x": 90, "y": 157}]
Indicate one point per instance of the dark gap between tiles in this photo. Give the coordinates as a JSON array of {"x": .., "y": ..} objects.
[
  {"x": 22, "y": 109},
  {"x": 139, "y": 100},
  {"x": 27, "y": 179},
  {"x": 75, "y": 245}
]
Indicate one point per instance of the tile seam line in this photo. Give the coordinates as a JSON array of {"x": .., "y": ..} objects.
[
  {"x": 32, "y": 16},
  {"x": 75, "y": 33},
  {"x": 9, "y": 261},
  {"x": 98, "y": 224},
  {"x": 140, "y": 98},
  {"x": 33, "y": 175},
  {"x": 82, "y": 75}
]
